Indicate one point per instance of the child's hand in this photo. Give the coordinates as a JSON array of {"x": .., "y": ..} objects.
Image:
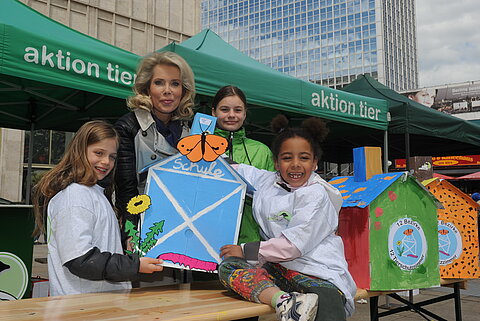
[
  {"x": 129, "y": 246},
  {"x": 150, "y": 265},
  {"x": 231, "y": 250}
]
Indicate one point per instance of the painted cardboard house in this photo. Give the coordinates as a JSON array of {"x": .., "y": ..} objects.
[
  {"x": 457, "y": 230},
  {"x": 194, "y": 206},
  {"x": 198, "y": 206},
  {"x": 388, "y": 223}
]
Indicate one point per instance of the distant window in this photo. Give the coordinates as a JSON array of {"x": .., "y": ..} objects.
[
  {"x": 48, "y": 149},
  {"x": 48, "y": 146}
]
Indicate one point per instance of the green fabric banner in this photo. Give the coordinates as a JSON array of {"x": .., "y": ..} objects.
[
  {"x": 53, "y": 77},
  {"x": 37, "y": 48}
]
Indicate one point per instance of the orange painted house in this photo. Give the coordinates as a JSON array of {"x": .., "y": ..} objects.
[{"x": 457, "y": 230}]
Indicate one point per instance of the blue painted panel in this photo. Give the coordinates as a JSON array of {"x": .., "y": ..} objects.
[{"x": 201, "y": 205}]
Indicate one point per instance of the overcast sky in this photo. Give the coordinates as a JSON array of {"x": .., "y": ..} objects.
[{"x": 448, "y": 41}]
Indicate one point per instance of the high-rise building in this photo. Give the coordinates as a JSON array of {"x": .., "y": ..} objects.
[{"x": 329, "y": 42}]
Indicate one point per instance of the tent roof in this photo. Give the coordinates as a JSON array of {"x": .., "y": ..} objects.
[
  {"x": 432, "y": 133},
  {"x": 57, "y": 77},
  {"x": 437, "y": 175},
  {"x": 216, "y": 64},
  {"x": 475, "y": 175}
]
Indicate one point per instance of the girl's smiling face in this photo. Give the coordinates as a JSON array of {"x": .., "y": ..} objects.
[
  {"x": 102, "y": 156},
  {"x": 230, "y": 113},
  {"x": 296, "y": 161}
]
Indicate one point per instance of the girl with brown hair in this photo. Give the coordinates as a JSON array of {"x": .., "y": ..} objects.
[{"x": 83, "y": 235}]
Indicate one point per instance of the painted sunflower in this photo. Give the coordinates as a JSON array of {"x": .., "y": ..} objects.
[{"x": 138, "y": 204}]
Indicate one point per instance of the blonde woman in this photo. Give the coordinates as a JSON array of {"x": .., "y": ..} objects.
[{"x": 162, "y": 103}]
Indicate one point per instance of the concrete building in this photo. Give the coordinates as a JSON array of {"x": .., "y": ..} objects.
[
  {"x": 329, "y": 42},
  {"x": 139, "y": 26}
]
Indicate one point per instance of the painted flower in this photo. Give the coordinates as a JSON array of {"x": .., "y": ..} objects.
[
  {"x": 399, "y": 242},
  {"x": 392, "y": 195},
  {"x": 378, "y": 211},
  {"x": 138, "y": 204}
]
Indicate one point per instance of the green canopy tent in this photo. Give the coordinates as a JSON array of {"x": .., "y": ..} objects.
[
  {"x": 216, "y": 63},
  {"x": 416, "y": 130},
  {"x": 53, "y": 77}
]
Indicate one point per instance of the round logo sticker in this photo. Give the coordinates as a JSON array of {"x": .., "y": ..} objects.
[
  {"x": 449, "y": 242},
  {"x": 13, "y": 277},
  {"x": 407, "y": 245}
]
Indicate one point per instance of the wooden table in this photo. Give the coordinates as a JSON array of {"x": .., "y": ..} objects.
[{"x": 198, "y": 301}]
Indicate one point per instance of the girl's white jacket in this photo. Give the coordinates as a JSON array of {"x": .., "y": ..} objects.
[{"x": 307, "y": 217}]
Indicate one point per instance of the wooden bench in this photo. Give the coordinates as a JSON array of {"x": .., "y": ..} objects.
[
  {"x": 417, "y": 307},
  {"x": 198, "y": 301}
]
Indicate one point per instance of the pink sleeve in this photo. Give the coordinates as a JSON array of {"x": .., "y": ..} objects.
[{"x": 277, "y": 249}]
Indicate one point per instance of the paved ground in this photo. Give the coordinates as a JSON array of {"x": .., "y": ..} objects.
[{"x": 470, "y": 298}]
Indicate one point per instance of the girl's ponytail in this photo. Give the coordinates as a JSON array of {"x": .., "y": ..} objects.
[
  {"x": 316, "y": 127},
  {"x": 279, "y": 123}
]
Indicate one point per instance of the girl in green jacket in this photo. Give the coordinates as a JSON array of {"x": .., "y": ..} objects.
[{"x": 230, "y": 107}]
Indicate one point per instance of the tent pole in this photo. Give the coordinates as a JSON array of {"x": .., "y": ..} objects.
[
  {"x": 407, "y": 150},
  {"x": 29, "y": 167},
  {"x": 385, "y": 152}
]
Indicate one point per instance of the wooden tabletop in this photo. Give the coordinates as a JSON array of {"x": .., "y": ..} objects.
[{"x": 198, "y": 301}]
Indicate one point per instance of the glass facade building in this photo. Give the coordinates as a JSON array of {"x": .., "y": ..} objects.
[{"x": 329, "y": 42}]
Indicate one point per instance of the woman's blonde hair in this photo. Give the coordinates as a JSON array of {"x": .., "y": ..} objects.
[
  {"x": 74, "y": 167},
  {"x": 142, "y": 100}
]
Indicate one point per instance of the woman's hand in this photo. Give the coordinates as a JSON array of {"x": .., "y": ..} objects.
[
  {"x": 231, "y": 250},
  {"x": 150, "y": 265}
]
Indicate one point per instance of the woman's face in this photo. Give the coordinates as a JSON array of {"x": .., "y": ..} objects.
[
  {"x": 165, "y": 91},
  {"x": 424, "y": 98},
  {"x": 230, "y": 113}
]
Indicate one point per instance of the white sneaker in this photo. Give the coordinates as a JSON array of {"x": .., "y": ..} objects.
[{"x": 299, "y": 307}]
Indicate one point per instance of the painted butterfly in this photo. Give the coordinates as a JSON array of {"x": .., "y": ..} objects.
[
  {"x": 203, "y": 146},
  {"x": 443, "y": 232}
]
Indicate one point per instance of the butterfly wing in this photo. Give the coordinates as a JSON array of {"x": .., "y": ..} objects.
[
  {"x": 214, "y": 147},
  {"x": 191, "y": 147}
]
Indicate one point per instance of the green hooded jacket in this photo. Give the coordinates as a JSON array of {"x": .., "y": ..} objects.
[{"x": 250, "y": 152}]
